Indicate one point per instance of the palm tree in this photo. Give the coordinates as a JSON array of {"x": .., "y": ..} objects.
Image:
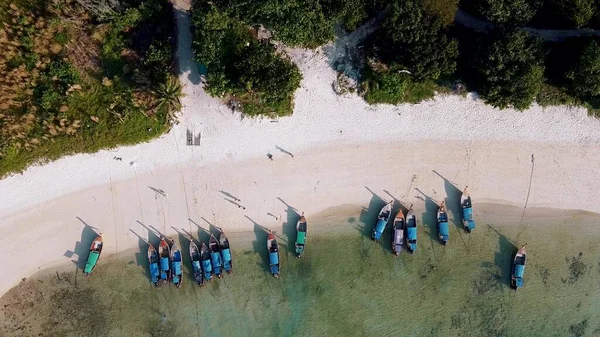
[{"x": 168, "y": 96}]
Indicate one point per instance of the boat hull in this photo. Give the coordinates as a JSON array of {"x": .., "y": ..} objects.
[
  {"x": 411, "y": 232},
  {"x": 164, "y": 261},
  {"x": 205, "y": 262},
  {"x": 196, "y": 263},
  {"x": 153, "y": 265},
  {"x": 176, "y": 266},
  {"x": 382, "y": 221},
  {"x": 94, "y": 255},
  {"x": 301, "y": 236},
  {"x": 467, "y": 212},
  {"x": 215, "y": 256},
  {"x": 273, "y": 256},
  {"x": 518, "y": 269},
  {"x": 226, "y": 253}
]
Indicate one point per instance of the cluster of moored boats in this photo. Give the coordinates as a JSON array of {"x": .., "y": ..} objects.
[
  {"x": 166, "y": 263},
  {"x": 404, "y": 230},
  {"x": 404, "y": 227}
]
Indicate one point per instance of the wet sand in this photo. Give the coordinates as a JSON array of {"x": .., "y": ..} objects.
[{"x": 345, "y": 284}]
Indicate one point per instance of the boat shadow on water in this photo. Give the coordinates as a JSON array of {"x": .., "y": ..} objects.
[
  {"x": 82, "y": 247},
  {"x": 141, "y": 257},
  {"x": 259, "y": 246},
  {"x": 288, "y": 228},
  {"x": 429, "y": 218},
  {"x": 203, "y": 233},
  {"x": 503, "y": 258},
  {"x": 453, "y": 195},
  {"x": 368, "y": 215},
  {"x": 184, "y": 245}
]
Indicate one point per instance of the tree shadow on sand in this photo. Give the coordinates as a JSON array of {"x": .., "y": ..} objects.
[
  {"x": 288, "y": 228},
  {"x": 82, "y": 247},
  {"x": 259, "y": 246},
  {"x": 503, "y": 258}
]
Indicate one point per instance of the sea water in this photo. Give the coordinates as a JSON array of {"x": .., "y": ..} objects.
[{"x": 344, "y": 285}]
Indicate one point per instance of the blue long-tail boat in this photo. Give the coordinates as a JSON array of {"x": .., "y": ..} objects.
[
  {"x": 442, "y": 224},
  {"x": 215, "y": 256},
  {"x": 164, "y": 254},
  {"x": 382, "y": 220},
  {"x": 518, "y": 269},
  {"x": 196, "y": 262},
  {"x": 176, "y": 265},
  {"x": 226, "y": 253},
  {"x": 411, "y": 230},
  {"x": 153, "y": 263},
  {"x": 467, "y": 211},
  {"x": 273, "y": 255},
  {"x": 206, "y": 265}
]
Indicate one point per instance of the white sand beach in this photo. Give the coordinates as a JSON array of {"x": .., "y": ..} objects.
[{"x": 343, "y": 151}]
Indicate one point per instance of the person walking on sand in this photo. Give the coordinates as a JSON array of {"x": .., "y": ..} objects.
[{"x": 270, "y": 156}]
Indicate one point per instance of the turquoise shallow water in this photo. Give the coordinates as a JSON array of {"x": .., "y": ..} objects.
[{"x": 345, "y": 285}]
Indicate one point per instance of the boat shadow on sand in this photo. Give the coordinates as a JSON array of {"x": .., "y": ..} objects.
[{"x": 82, "y": 247}]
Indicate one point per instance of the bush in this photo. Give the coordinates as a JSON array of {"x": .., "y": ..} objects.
[
  {"x": 304, "y": 23},
  {"x": 585, "y": 74},
  {"x": 395, "y": 87},
  {"x": 241, "y": 67},
  {"x": 510, "y": 70},
  {"x": 386, "y": 87},
  {"x": 411, "y": 38},
  {"x": 445, "y": 10},
  {"x": 512, "y": 12},
  {"x": 71, "y": 84}
]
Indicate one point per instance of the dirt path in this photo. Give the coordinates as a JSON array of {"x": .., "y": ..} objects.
[{"x": 467, "y": 20}]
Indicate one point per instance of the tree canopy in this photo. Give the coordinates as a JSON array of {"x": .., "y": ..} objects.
[
  {"x": 576, "y": 13},
  {"x": 508, "y": 11},
  {"x": 241, "y": 66},
  {"x": 510, "y": 69},
  {"x": 411, "y": 38},
  {"x": 585, "y": 74}
]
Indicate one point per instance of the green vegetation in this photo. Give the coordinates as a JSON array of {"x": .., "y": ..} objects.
[
  {"x": 71, "y": 82},
  {"x": 246, "y": 70},
  {"x": 565, "y": 13},
  {"x": 307, "y": 23},
  {"x": 410, "y": 37},
  {"x": 414, "y": 50},
  {"x": 507, "y": 11},
  {"x": 585, "y": 73},
  {"x": 510, "y": 69}
]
